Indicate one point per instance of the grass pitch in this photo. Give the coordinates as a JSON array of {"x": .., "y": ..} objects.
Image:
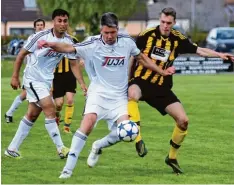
[{"x": 206, "y": 156}]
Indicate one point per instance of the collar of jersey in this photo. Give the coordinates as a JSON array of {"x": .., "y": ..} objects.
[{"x": 117, "y": 43}]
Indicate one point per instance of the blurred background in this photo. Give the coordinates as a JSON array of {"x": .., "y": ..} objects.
[{"x": 209, "y": 23}]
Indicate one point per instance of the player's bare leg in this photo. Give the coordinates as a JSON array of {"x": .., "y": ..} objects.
[
  {"x": 23, "y": 130},
  {"x": 176, "y": 110},
  {"x": 69, "y": 110},
  {"x": 134, "y": 94},
  {"x": 14, "y": 106},
  {"x": 59, "y": 105},
  {"x": 78, "y": 142},
  {"x": 48, "y": 108}
]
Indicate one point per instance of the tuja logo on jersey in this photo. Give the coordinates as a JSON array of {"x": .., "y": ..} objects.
[
  {"x": 113, "y": 61},
  {"x": 52, "y": 53}
]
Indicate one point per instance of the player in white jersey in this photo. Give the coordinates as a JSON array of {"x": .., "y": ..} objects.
[
  {"x": 37, "y": 81},
  {"x": 39, "y": 25},
  {"x": 106, "y": 61}
]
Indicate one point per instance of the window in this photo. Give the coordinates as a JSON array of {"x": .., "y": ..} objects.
[
  {"x": 21, "y": 31},
  {"x": 30, "y": 5}
]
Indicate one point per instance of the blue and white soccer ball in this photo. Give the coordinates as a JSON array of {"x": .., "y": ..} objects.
[{"x": 127, "y": 131}]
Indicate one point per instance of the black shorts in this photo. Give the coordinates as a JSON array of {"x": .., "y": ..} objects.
[
  {"x": 62, "y": 83},
  {"x": 156, "y": 96}
]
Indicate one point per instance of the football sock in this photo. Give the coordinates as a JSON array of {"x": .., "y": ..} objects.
[
  {"x": 16, "y": 103},
  {"x": 78, "y": 142},
  {"x": 22, "y": 132},
  {"x": 69, "y": 110},
  {"x": 178, "y": 136},
  {"x": 52, "y": 129},
  {"x": 108, "y": 140},
  {"x": 134, "y": 115}
]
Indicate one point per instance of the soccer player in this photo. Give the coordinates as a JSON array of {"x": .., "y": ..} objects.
[
  {"x": 37, "y": 82},
  {"x": 64, "y": 84},
  {"x": 106, "y": 62},
  {"x": 38, "y": 25},
  {"x": 162, "y": 45}
]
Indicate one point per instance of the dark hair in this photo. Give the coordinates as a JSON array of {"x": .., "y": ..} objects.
[
  {"x": 38, "y": 20},
  {"x": 109, "y": 19},
  {"x": 59, "y": 12},
  {"x": 169, "y": 11}
]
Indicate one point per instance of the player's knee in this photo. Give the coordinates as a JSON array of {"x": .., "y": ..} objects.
[
  {"x": 183, "y": 123},
  {"x": 88, "y": 123},
  {"x": 70, "y": 101},
  {"x": 31, "y": 117},
  {"x": 59, "y": 105},
  {"x": 133, "y": 93}
]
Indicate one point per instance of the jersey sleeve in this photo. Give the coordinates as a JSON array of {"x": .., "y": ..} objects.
[
  {"x": 134, "y": 50},
  {"x": 141, "y": 42},
  {"x": 186, "y": 46},
  {"x": 31, "y": 43},
  {"x": 72, "y": 56},
  {"x": 84, "y": 49}
]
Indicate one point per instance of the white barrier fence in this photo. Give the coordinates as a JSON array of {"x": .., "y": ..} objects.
[{"x": 201, "y": 65}]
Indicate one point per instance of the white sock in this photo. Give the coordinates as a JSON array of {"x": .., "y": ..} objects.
[
  {"x": 22, "y": 132},
  {"x": 16, "y": 103},
  {"x": 111, "y": 139},
  {"x": 54, "y": 133},
  {"x": 78, "y": 142}
]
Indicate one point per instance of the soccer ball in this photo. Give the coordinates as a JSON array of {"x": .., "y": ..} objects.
[{"x": 127, "y": 131}]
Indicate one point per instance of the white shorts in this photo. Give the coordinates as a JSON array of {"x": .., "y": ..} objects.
[
  {"x": 36, "y": 91},
  {"x": 106, "y": 109}
]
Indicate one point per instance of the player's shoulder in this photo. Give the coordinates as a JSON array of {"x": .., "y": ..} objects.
[
  {"x": 122, "y": 36},
  {"x": 42, "y": 33},
  {"x": 177, "y": 34},
  {"x": 71, "y": 38},
  {"x": 147, "y": 32},
  {"x": 90, "y": 41}
]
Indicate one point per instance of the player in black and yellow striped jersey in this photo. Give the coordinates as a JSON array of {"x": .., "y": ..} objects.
[
  {"x": 64, "y": 84},
  {"x": 162, "y": 45}
]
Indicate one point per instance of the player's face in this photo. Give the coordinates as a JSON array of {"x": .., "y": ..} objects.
[
  {"x": 39, "y": 26},
  {"x": 109, "y": 34},
  {"x": 60, "y": 24},
  {"x": 166, "y": 24}
]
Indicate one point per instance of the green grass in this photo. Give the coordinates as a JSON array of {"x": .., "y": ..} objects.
[{"x": 206, "y": 156}]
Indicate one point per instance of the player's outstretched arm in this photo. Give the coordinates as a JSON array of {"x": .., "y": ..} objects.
[
  {"x": 57, "y": 46},
  {"x": 146, "y": 62},
  {"x": 211, "y": 53},
  {"x": 15, "y": 82}
]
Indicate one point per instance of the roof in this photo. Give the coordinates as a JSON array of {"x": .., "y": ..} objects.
[{"x": 14, "y": 10}]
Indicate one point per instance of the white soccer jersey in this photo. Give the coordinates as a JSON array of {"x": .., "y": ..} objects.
[
  {"x": 108, "y": 65},
  {"x": 43, "y": 61}
]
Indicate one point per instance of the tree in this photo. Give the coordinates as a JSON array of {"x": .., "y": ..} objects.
[{"x": 89, "y": 11}]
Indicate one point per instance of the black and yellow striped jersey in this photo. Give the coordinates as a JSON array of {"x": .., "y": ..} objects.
[
  {"x": 64, "y": 65},
  {"x": 163, "y": 51}
]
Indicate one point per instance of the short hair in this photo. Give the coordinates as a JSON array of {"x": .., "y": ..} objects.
[
  {"x": 169, "y": 11},
  {"x": 59, "y": 12},
  {"x": 38, "y": 20},
  {"x": 109, "y": 19}
]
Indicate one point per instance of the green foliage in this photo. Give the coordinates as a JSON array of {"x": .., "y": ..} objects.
[
  {"x": 206, "y": 155},
  {"x": 89, "y": 11},
  {"x": 198, "y": 36}
]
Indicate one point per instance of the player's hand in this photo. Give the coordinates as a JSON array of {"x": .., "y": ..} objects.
[
  {"x": 15, "y": 83},
  {"x": 84, "y": 89},
  {"x": 42, "y": 43},
  {"x": 169, "y": 71},
  {"x": 226, "y": 56}
]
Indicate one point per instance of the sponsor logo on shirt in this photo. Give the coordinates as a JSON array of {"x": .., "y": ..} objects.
[
  {"x": 52, "y": 53},
  {"x": 113, "y": 61},
  {"x": 160, "y": 54}
]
